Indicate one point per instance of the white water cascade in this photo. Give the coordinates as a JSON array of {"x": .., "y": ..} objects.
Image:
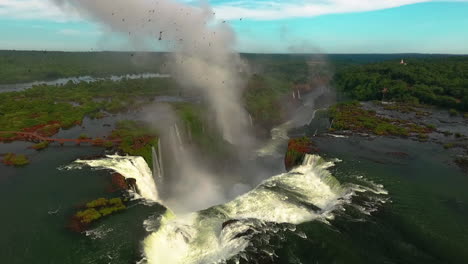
[
  {"x": 157, "y": 172},
  {"x": 127, "y": 166},
  {"x": 308, "y": 192},
  {"x": 161, "y": 165}
]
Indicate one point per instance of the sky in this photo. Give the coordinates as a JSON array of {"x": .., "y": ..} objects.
[{"x": 265, "y": 26}]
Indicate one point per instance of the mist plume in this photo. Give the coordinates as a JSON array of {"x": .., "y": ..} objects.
[{"x": 201, "y": 57}]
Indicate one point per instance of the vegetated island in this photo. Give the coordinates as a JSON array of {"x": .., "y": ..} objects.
[
  {"x": 39, "y": 113},
  {"x": 421, "y": 99},
  {"x": 13, "y": 159}
]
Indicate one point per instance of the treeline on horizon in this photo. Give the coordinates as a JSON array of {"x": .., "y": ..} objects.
[
  {"x": 441, "y": 81},
  {"x": 28, "y": 66}
]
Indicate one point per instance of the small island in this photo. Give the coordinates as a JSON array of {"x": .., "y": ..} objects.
[
  {"x": 93, "y": 211},
  {"x": 16, "y": 160}
]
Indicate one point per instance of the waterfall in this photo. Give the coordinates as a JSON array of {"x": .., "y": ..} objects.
[
  {"x": 251, "y": 120},
  {"x": 299, "y": 94},
  {"x": 307, "y": 193},
  {"x": 129, "y": 167},
  {"x": 178, "y": 137},
  {"x": 157, "y": 173},
  {"x": 161, "y": 165}
]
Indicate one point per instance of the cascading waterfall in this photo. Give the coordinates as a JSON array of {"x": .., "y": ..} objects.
[
  {"x": 127, "y": 166},
  {"x": 161, "y": 165},
  {"x": 308, "y": 192},
  {"x": 279, "y": 134},
  {"x": 179, "y": 138},
  {"x": 157, "y": 173}
]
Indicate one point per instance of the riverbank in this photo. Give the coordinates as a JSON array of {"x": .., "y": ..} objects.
[{"x": 416, "y": 122}]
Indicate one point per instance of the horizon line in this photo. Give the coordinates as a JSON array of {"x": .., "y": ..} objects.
[{"x": 265, "y": 53}]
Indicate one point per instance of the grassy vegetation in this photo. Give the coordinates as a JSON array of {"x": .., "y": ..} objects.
[
  {"x": 203, "y": 132},
  {"x": 15, "y": 159},
  {"x": 96, "y": 209},
  {"x": 40, "y": 146},
  {"x": 263, "y": 99},
  {"x": 351, "y": 116},
  {"x": 297, "y": 148},
  {"x": 137, "y": 138},
  {"x": 46, "y": 109}
]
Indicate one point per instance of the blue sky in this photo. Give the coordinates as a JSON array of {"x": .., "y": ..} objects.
[{"x": 280, "y": 26}]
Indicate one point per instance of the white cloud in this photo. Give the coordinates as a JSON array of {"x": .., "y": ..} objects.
[
  {"x": 35, "y": 9},
  {"x": 304, "y": 8},
  {"x": 235, "y": 9}
]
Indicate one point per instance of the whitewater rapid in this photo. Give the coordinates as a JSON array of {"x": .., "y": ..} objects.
[
  {"x": 129, "y": 167},
  {"x": 307, "y": 193}
]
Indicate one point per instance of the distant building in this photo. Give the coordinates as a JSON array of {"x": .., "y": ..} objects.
[{"x": 402, "y": 62}]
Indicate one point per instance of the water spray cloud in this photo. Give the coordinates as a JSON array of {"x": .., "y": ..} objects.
[{"x": 202, "y": 55}]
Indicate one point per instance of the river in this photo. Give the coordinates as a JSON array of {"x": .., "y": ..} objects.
[
  {"x": 363, "y": 200},
  {"x": 23, "y": 86}
]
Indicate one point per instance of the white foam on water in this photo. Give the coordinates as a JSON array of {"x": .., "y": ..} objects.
[
  {"x": 307, "y": 193},
  {"x": 99, "y": 232},
  {"x": 337, "y": 136},
  {"x": 127, "y": 166}
]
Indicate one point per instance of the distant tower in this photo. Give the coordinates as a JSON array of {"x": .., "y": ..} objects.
[{"x": 402, "y": 61}]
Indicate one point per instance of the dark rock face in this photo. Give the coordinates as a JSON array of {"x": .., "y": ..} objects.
[
  {"x": 131, "y": 182},
  {"x": 297, "y": 149},
  {"x": 118, "y": 183}
]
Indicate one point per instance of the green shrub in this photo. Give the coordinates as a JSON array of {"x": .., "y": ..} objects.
[
  {"x": 15, "y": 159},
  {"x": 41, "y": 145},
  {"x": 89, "y": 215},
  {"x": 97, "y": 203}
]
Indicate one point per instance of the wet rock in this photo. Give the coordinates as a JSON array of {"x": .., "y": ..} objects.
[
  {"x": 248, "y": 232},
  {"x": 131, "y": 182},
  {"x": 229, "y": 222},
  {"x": 119, "y": 183}
]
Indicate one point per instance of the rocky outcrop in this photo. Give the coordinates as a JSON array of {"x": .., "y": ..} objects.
[
  {"x": 132, "y": 185},
  {"x": 297, "y": 149},
  {"x": 118, "y": 183}
]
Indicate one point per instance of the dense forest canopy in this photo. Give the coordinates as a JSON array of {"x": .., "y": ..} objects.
[
  {"x": 27, "y": 66},
  {"x": 435, "y": 81}
]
